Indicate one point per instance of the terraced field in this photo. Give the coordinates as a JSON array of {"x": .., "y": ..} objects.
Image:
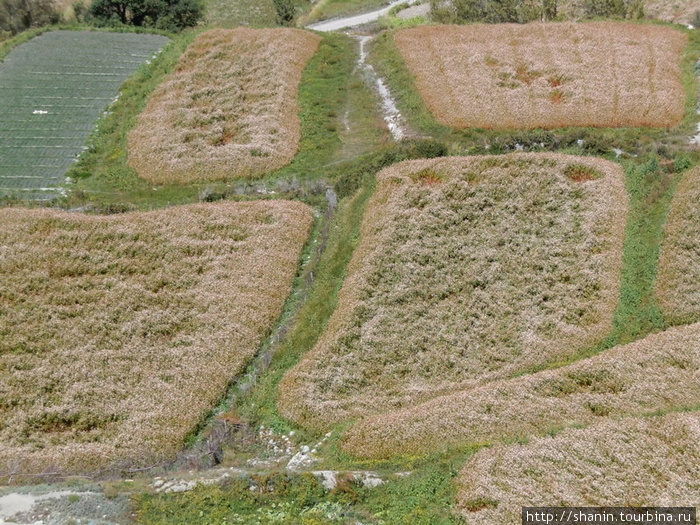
[
  {"x": 52, "y": 91},
  {"x": 526, "y": 76},
  {"x": 229, "y": 110},
  {"x": 635, "y": 461},
  {"x": 657, "y": 374},
  {"x": 469, "y": 269},
  {"x": 119, "y": 333}
]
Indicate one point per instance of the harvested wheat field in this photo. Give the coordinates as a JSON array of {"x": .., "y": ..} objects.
[
  {"x": 515, "y": 76},
  {"x": 678, "y": 283},
  {"x": 658, "y": 373},
  {"x": 228, "y": 110},
  {"x": 119, "y": 333},
  {"x": 469, "y": 269},
  {"x": 634, "y": 461}
]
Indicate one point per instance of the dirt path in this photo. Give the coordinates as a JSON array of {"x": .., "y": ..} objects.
[{"x": 337, "y": 24}]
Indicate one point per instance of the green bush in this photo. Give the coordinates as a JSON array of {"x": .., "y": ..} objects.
[
  {"x": 169, "y": 15},
  {"x": 285, "y": 11}
]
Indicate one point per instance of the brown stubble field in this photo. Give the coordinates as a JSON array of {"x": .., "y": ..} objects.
[
  {"x": 119, "y": 333},
  {"x": 469, "y": 269},
  {"x": 678, "y": 283},
  {"x": 650, "y": 461},
  {"x": 658, "y": 373},
  {"x": 229, "y": 110},
  {"x": 513, "y": 76}
]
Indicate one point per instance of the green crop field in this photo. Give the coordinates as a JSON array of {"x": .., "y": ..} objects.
[{"x": 52, "y": 91}]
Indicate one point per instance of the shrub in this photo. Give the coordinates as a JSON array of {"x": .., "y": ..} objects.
[
  {"x": 171, "y": 15},
  {"x": 285, "y": 11}
]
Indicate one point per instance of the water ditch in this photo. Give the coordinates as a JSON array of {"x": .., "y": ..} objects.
[{"x": 390, "y": 112}]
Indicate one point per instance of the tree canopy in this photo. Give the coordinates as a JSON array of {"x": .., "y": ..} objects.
[{"x": 172, "y": 15}]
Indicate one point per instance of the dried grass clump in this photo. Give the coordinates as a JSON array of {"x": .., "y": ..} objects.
[
  {"x": 469, "y": 269},
  {"x": 228, "y": 110},
  {"x": 631, "y": 462},
  {"x": 513, "y": 76},
  {"x": 678, "y": 283},
  {"x": 658, "y": 373},
  {"x": 119, "y": 333}
]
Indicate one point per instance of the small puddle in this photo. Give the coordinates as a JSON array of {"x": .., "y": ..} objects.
[{"x": 391, "y": 114}]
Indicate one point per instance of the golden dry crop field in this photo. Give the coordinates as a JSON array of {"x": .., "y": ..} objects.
[
  {"x": 469, "y": 269},
  {"x": 525, "y": 76},
  {"x": 228, "y": 110},
  {"x": 658, "y": 373},
  {"x": 679, "y": 267},
  {"x": 633, "y": 461},
  {"x": 120, "y": 332}
]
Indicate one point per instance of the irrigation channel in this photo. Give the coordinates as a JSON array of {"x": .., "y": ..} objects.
[{"x": 86, "y": 501}]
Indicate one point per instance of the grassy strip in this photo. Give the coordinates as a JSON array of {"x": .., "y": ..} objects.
[
  {"x": 322, "y": 97},
  {"x": 651, "y": 189},
  {"x": 388, "y": 61}
]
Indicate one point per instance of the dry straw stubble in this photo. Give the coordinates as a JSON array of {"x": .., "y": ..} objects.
[
  {"x": 678, "y": 284},
  {"x": 469, "y": 269},
  {"x": 119, "y": 333},
  {"x": 631, "y": 462},
  {"x": 229, "y": 109},
  {"x": 658, "y": 373},
  {"x": 513, "y": 76}
]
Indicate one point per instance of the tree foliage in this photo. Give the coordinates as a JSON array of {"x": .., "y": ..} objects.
[{"x": 172, "y": 15}]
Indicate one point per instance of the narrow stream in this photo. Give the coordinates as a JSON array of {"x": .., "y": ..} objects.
[{"x": 391, "y": 114}]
